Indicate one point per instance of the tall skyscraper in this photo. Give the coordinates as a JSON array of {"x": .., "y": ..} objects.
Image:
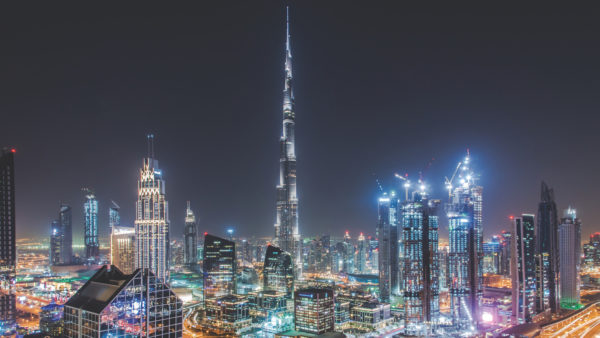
[
  {"x": 465, "y": 254},
  {"x": 190, "y": 234},
  {"x": 420, "y": 277},
  {"x": 8, "y": 252},
  {"x": 278, "y": 273},
  {"x": 90, "y": 214},
  {"x": 361, "y": 254},
  {"x": 591, "y": 251},
  {"x": 122, "y": 248},
  {"x": 387, "y": 235},
  {"x": 65, "y": 220},
  {"x": 505, "y": 259},
  {"x": 152, "y": 218},
  {"x": 56, "y": 238},
  {"x": 523, "y": 269},
  {"x": 219, "y": 267},
  {"x": 114, "y": 218},
  {"x": 546, "y": 253},
  {"x": 287, "y": 234},
  {"x": 569, "y": 234}
]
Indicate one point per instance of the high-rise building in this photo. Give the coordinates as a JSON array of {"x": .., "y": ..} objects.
[
  {"x": 465, "y": 251},
  {"x": 56, "y": 238},
  {"x": 278, "y": 272},
  {"x": 569, "y": 234},
  {"x": 523, "y": 269},
  {"x": 51, "y": 320},
  {"x": 152, "y": 218},
  {"x": 287, "y": 234},
  {"x": 505, "y": 259},
  {"x": 314, "y": 310},
  {"x": 492, "y": 255},
  {"x": 361, "y": 254},
  {"x": 219, "y": 266},
  {"x": 420, "y": 277},
  {"x": 65, "y": 220},
  {"x": 591, "y": 251},
  {"x": 546, "y": 253},
  {"x": 190, "y": 235},
  {"x": 114, "y": 304},
  {"x": 8, "y": 252},
  {"x": 387, "y": 235},
  {"x": 122, "y": 248},
  {"x": 114, "y": 217},
  {"x": 90, "y": 214}
]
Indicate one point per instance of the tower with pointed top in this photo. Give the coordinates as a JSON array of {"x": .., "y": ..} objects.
[
  {"x": 152, "y": 218},
  {"x": 190, "y": 254},
  {"x": 287, "y": 234}
]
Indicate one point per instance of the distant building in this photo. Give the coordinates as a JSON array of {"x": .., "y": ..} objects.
[
  {"x": 230, "y": 313},
  {"x": 314, "y": 310},
  {"x": 122, "y": 248},
  {"x": 65, "y": 220},
  {"x": 278, "y": 271},
  {"x": 492, "y": 255},
  {"x": 523, "y": 269},
  {"x": 190, "y": 237},
  {"x": 56, "y": 238},
  {"x": 113, "y": 304},
  {"x": 51, "y": 320},
  {"x": 114, "y": 217},
  {"x": 389, "y": 251},
  {"x": 506, "y": 241},
  {"x": 547, "y": 253},
  {"x": 361, "y": 254},
  {"x": 591, "y": 251},
  {"x": 219, "y": 267},
  {"x": 8, "y": 252},
  {"x": 569, "y": 234},
  {"x": 90, "y": 214},
  {"x": 371, "y": 315}
]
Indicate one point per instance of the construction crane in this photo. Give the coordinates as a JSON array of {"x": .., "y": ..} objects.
[
  {"x": 448, "y": 182},
  {"x": 406, "y": 183}
]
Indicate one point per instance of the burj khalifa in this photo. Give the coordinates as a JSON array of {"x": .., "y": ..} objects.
[{"x": 287, "y": 235}]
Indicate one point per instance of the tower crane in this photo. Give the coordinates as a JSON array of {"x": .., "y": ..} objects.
[
  {"x": 406, "y": 183},
  {"x": 448, "y": 182}
]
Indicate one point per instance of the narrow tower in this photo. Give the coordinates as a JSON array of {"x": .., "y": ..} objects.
[
  {"x": 90, "y": 212},
  {"x": 190, "y": 255},
  {"x": 547, "y": 253},
  {"x": 152, "y": 218},
  {"x": 8, "y": 251},
  {"x": 287, "y": 234}
]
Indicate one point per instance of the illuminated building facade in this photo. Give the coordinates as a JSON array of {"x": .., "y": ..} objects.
[
  {"x": 314, "y": 310},
  {"x": 230, "y": 313},
  {"x": 90, "y": 218},
  {"x": 152, "y": 218},
  {"x": 65, "y": 219},
  {"x": 547, "y": 253},
  {"x": 190, "y": 237},
  {"x": 569, "y": 234},
  {"x": 523, "y": 269},
  {"x": 219, "y": 267},
  {"x": 465, "y": 251},
  {"x": 113, "y": 304},
  {"x": 8, "y": 252},
  {"x": 287, "y": 234},
  {"x": 419, "y": 223},
  {"x": 387, "y": 235},
  {"x": 492, "y": 255},
  {"x": 56, "y": 238},
  {"x": 51, "y": 320},
  {"x": 591, "y": 251},
  {"x": 506, "y": 253},
  {"x": 361, "y": 254},
  {"x": 122, "y": 248},
  {"x": 114, "y": 217},
  {"x": 371, "y": 315},
  {"x": 278, "y": 272}
]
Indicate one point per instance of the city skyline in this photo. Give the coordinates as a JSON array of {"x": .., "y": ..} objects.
[{"x": 324, "y": 145}]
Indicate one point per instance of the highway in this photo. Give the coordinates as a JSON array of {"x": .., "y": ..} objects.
[{"x": 583, "y": 324}]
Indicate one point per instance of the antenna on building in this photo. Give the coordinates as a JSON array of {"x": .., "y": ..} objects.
[{"x": 150, "y": 145}]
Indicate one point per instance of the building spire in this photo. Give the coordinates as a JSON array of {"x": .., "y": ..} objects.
[
  {"x": 151, "y": 146},
  {"x": 288, "y": 94}
]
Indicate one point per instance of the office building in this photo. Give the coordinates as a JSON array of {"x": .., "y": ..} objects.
[
  {"x": 229, "y": 313},
  {"x": 152, "y": 218},
  {"x": 287, "y": 234},
  {"x": 314, "y": 310},
  {"x": 219, "y": 267},
  {"x": 523, "y": 269},
  {"x": 8, "y": 252},
  {"x": 546, "y": 253},
  {"x": 361, "y": 254},
  {"x": 113, "y": 304},
  {"x": 465, "y": 251},
  {"x": 371, "y": 315},
  {"x": 569, "y": 234},
  {"x": 190, "y": 238},
  {"x": 90, "y": 219},
  {"x": 591, "y": 251},
  {"x": 114, "y": 217},
  {"x": 51, "y": 320},
  {"x": 65, "y": 219},
  {"x": 506, "y": 242},
  {"x": 387, "y": 236},
  {"x": 122, "y": 248},
  {"x": 56, "y": 239},
  {"x": 278, "y": 271},
  {"x": 492, "y": 255},
  {"x": 420, "y": 277}
]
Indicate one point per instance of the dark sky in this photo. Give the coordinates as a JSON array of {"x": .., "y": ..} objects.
[{"x": 380, "y": 87}]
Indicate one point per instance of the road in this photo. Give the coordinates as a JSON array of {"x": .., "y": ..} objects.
[{"x": 583, "y": 324}]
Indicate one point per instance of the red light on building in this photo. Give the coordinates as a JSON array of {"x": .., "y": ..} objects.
[{"x": 13, "y": 150}]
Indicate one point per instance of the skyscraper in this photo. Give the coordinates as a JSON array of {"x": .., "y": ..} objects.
[
  {"x": 190, "y": 234},
  {"x": 114, "y": 218},
  {"x": 569, "y": 234},
  {"x": 90, "y": 214},
  {"x": 361, "y": 254},
  {"x": 314, "y": 310},
  {"x": 152, "y": 218},
  {"x": 387, "y": 232},
  {"x": 219, "y": 267},
  {"x": 7, "y": 242},
  {"x": 56, "y": 238},
  {"x": 287, "y": 234},
  {"x": 591, "y": 251},
  {"x": 523, "y": 269},
  {"x": 122, "y": 248},
  {"x": 465, "y": 254},
  {"x": 65, "y": 220},
  {"x": 420, "y": 277},
  {"x": 546, "y": 253},
  {"x": 278, "y": 273}
]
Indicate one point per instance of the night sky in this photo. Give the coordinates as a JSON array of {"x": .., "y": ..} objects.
[{"x": 379, "y": 89}]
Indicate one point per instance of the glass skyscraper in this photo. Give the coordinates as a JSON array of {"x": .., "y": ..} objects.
[
  {"x": 122, "y": 248},
  {"x": 65, "y": 220},
  {"x": 314, "y": 310},
  {"x": 387, "y": 236},
  {"x": 190, "y": 236},
  {"x": 152, "y": 218},
  {"x": 546, "y": 253},
  {"x": 219, "y": 267},
  {"x": 8, "y": 252},
  {"x": 523, "y": 269},
  {"x": 278, "y": 272},
  {"x": 90, "y": 214},
  {"x": 569, "y": 234},
  {"x": 56, "y": 238}
]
